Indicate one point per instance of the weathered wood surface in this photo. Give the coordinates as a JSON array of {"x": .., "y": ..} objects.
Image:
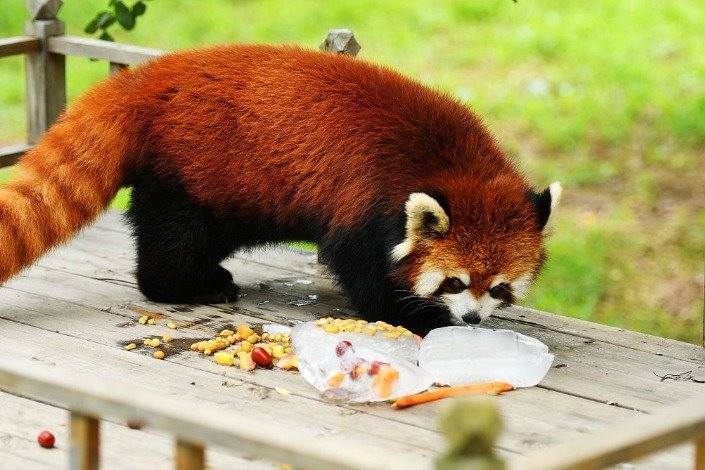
[
  {"x": 103, "y": 50},
  {"x": 79, "y": 306},
  {"x": 19, "y": 45},
  {"x": 11, "y": 153}
]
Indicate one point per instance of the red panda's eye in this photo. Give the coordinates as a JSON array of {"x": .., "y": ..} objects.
[
  {"x": 453, "y": 285},
  {"x": 501, "y": 291}
]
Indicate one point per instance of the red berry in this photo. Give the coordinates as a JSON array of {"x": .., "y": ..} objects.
[
  {"x": 262, "y": 358},
  {"x": 46, "y": 439},
  {"x": 374, "y": 367},
  {"x": 342, "y": 348}
]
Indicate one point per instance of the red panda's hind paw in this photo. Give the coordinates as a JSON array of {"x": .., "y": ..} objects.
[{"x": 223, "y": 294}]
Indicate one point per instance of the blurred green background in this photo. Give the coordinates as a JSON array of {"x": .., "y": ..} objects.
[{"x": 606, "y": 96}]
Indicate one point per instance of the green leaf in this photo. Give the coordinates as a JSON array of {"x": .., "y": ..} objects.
[
  {"x": 138, "y": 9},
  {"x": 106, "y": 36},
  {"x": 105, "y": 19},
  {"x": 91, "y": 27},
  {"x": 124, "y": 16}
]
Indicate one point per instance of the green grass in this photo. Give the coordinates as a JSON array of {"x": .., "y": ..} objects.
[{"x": 607, "y": 97}]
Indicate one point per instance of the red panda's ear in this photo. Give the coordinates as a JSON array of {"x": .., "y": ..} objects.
[
  {"x": 545, "y": 202},
  {"x": 425, "y": 219}
]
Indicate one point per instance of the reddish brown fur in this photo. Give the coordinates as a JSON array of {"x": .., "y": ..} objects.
[{"x": 296, "y": 127}]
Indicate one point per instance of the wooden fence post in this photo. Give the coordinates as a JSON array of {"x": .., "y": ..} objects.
[
  {"x": 45, "y": 73},
  {"x": 85, "y": 442},
  {"x": 189, "y": 456}
]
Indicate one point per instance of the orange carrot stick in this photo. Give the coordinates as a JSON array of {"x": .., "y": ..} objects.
[{"x": 492, "y": 388}]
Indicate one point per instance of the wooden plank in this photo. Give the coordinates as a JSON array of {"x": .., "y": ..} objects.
[
  {"x": 186, "y": 420},
  {"x": 103, "y": 50},
  {"x": 10, "y": 154},
  {"x": 589, "y": 369},
  {"x": 531, "y": 424},
  {"x": 22, "y": 419},
  {"x": 189, "y": 456},
  {"x": 643, "y": 435},
  {"x": 45, "y": 77},
  {"x": 85, "y": 441},
  {"x": 19, "y": 45},
  {"x": 700, "y": 454}
]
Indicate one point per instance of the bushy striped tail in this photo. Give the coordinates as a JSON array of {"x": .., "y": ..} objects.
[{"x": 68, "y": 178}]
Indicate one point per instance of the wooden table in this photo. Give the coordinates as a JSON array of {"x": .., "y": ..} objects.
[{"x": 78, "y": 307}]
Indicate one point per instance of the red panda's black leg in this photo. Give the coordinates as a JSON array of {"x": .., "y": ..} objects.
[{"x": 179, "y": 246}]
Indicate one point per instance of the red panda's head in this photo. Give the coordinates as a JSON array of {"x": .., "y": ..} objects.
[{"x": 473, "y": 247}]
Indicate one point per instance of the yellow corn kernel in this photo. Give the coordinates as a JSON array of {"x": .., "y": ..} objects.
[
  {"x": 361, "y": 322},
  {"x": 246, "y": 346},
  {"x": 288, "y": 350},
  {"x": 331, "y": 329},
  {"x": 322, "y": 321},
  {"x": 369, "y": 331},
  {"x": 391, "y": 334},
  {"x": 278, "y": 351},
  {"x": 158, "y": 354},
  {"x": 285, "y": 338},
  {"x": 265, "y": 336},
  {"x": 167, "y": 338},
  {"x": 171, "y": 325},
  {"x": 408, "y": 333},
  {"x": 244, "y": 331},
  {"x": 236, "y": 337},
  {"x": 146, "y": 342},
  {"x": 253, "y": 338},
  {"x": 226, "y": 333},
  {"x": 130, "y": 346},
  {"x": 143, "y": 319},
  {"x": 201, "y": 346},
  {"x": 207, "y": 351},
  {"x": 154, "y": 342},
  {"x": 239, "y": 354},
  {"x": 151, "y": 321},
  {"x": 224, "y": 359},
  {"x": 246, "y": 362},
  {"x": 194, "y": 347}
]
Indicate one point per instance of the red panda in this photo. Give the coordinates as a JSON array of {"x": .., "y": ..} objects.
[{"x": 417, "y": 211}]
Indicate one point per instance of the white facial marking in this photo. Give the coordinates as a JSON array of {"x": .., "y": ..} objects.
[
  {"x": 461, "y": 303},
  {"x": 520, "y": 286},
  {"x": 429, "y": 282},
  {"x": 487, "y": 306},
  {"x": 464, "y": 302},
  {"x": 497, "y": 281}
]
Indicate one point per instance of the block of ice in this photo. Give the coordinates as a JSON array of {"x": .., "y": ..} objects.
[
  {"x": 457, "y": 355},
  {"x": 356, "y": 367}
]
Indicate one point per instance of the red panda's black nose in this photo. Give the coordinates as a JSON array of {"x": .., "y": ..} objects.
[{"x": 472, "y": 318}]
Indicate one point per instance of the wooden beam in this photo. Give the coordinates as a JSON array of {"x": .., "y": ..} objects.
[
  {"x": 641, "y": 436},
  {"x": 85, "y": 442},
  {"x": 700, "y": 454},
  {"x": 189, "y": 456},
  {"x": 45, "y": 76},
  {"x": 102, "y": 50},
  {"x": 19, "y": 45},
  {"x": 189, "y": 422},
  {"x": 11, "y": 153}
]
